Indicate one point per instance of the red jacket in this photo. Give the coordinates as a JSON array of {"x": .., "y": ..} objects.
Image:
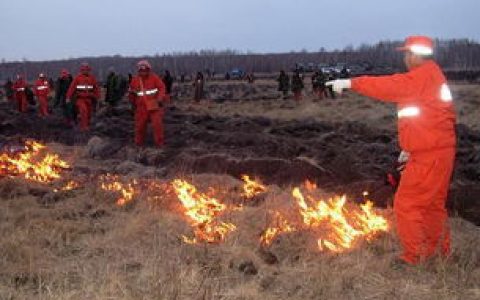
[
  {"x": 153, "y": 90},
  {"x": 42, "y": 87},
  {"x": 426, "y": 115},
  {"x": 19, "y": 87},
  {"x": 84, "y": 86}
]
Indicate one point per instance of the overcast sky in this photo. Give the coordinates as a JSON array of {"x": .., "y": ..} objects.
[{"x": 57, "y": 29}]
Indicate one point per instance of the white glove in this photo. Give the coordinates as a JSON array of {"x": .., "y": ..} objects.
[
  {"x": 339, "y": 85},
  {"x": 403, "y": 157},
  {"x": 402, "y": 160}
]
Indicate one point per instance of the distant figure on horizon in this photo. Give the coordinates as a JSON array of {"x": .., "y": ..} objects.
[
  {"x": 113, "y": 86},
  {"x": 9, "y": 92},
  {"x": 20, "y": 88},
  {"x": 297, "y": 86},
  {"x": 283, "y": 83},
  {"x": 61, "y": 87},
  {"x": 168, "y": 81},
  {"x": 42, "y": 90},
  {"x": 251, "y": 77},
  {"x": 318, "y": 84},
  {"x": 199, "y": 86}
]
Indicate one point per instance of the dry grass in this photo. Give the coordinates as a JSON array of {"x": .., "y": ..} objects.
[{"x": 81, "y": 246}]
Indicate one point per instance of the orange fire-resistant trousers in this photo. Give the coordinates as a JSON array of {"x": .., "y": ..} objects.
[
  {"x": 43, "y": 106},
  {"x": 22, "y": 104},
  {"x": 84, "y": 108},
  {"x": 422, "y": 220},
  {"x": 142, "y": 116}
]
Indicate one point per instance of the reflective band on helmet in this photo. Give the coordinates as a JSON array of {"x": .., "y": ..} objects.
[
  {"x": 408, "y": 112},
  {"x": 84, "y": 87},
  {"x": 20, "y": 89},
  {"x": 421, "y": 50},
  {"x": 42, "y": 87},
  {"x": 445, "y": 93},
  {"x": 147, "y": 92}
]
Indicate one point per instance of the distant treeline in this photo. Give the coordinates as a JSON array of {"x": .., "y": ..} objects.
[{"x": 459, "y": 56}]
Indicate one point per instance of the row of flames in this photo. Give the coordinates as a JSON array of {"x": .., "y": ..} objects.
[
  {"x": 340, "y": 225},
  {"x": 33, "y": 162}
]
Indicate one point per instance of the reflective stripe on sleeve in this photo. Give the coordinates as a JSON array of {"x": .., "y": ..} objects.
[
  {"x": 408, "y": 112},
  {"x": 445, "y": 93},
  {"x": 147, "y": 92},
  {"x": 84, "y": 87}
]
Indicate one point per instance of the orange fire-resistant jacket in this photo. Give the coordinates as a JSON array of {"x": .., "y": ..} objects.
[
  {"x": 84, "y": 86},
  {"x": 42, "y": 88},
  {"x": 147, "y": 91},
  {"x": 426, "y": 116}
]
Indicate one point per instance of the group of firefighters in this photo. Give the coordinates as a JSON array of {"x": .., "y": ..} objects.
[
  {"x": 78, "y": 97},
  {"x": 426, "y": 126},
  {"x": 318, "y": 79}
]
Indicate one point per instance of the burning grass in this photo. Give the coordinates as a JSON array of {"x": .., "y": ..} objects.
[
  {"x": 33, "y": 162},
  {"x": 85, "y": 246},
  {"x": 208, "y": 237}
]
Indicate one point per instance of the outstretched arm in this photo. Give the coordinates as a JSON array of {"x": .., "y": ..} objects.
[{"x": 394, "y": 88}]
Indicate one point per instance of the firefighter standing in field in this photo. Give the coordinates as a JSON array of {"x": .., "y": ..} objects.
[
  {"x": 426, "y": 125},
  {"x": 147, "y": 93},
  {"x": 20, "y": 88},
  {"x": 297, "y": 86},
  {"x": 283, "y": 83},
  {"x": 198, "y": 85},
  {"x": 318, "y": 84},
  {"x": 113, "y": 87},
  {"x": 86, "y": 91},
  {"x": 168, "y": 81},
  {"x": 42, "y": 90},
  {"x": 9, "y": 92},
  {"x": 61, "y": 88}
]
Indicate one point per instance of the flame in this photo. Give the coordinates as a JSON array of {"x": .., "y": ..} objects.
[
  {"x": 34, "y": 163},
  {"x": 252, "y": 187},
  {"x": 345, "y": 226},
  {"x": 112, "y": 183},
  {"x": 202, "y": 212},
  {"x": 281, "y": 225},
  {"x": 70, "y": 185},
  {"x": 310, "y": 186},
  {"x": 156, "y": 191}
]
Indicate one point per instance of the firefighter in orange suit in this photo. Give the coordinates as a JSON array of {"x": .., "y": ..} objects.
[
  {"x": 426, "y": 126},
  {"x": 42, "y": 90},
  {"x": 87, "y": 91},
  {"x": 147, "y": 94},
  {"x": 20, "y": 88}
]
